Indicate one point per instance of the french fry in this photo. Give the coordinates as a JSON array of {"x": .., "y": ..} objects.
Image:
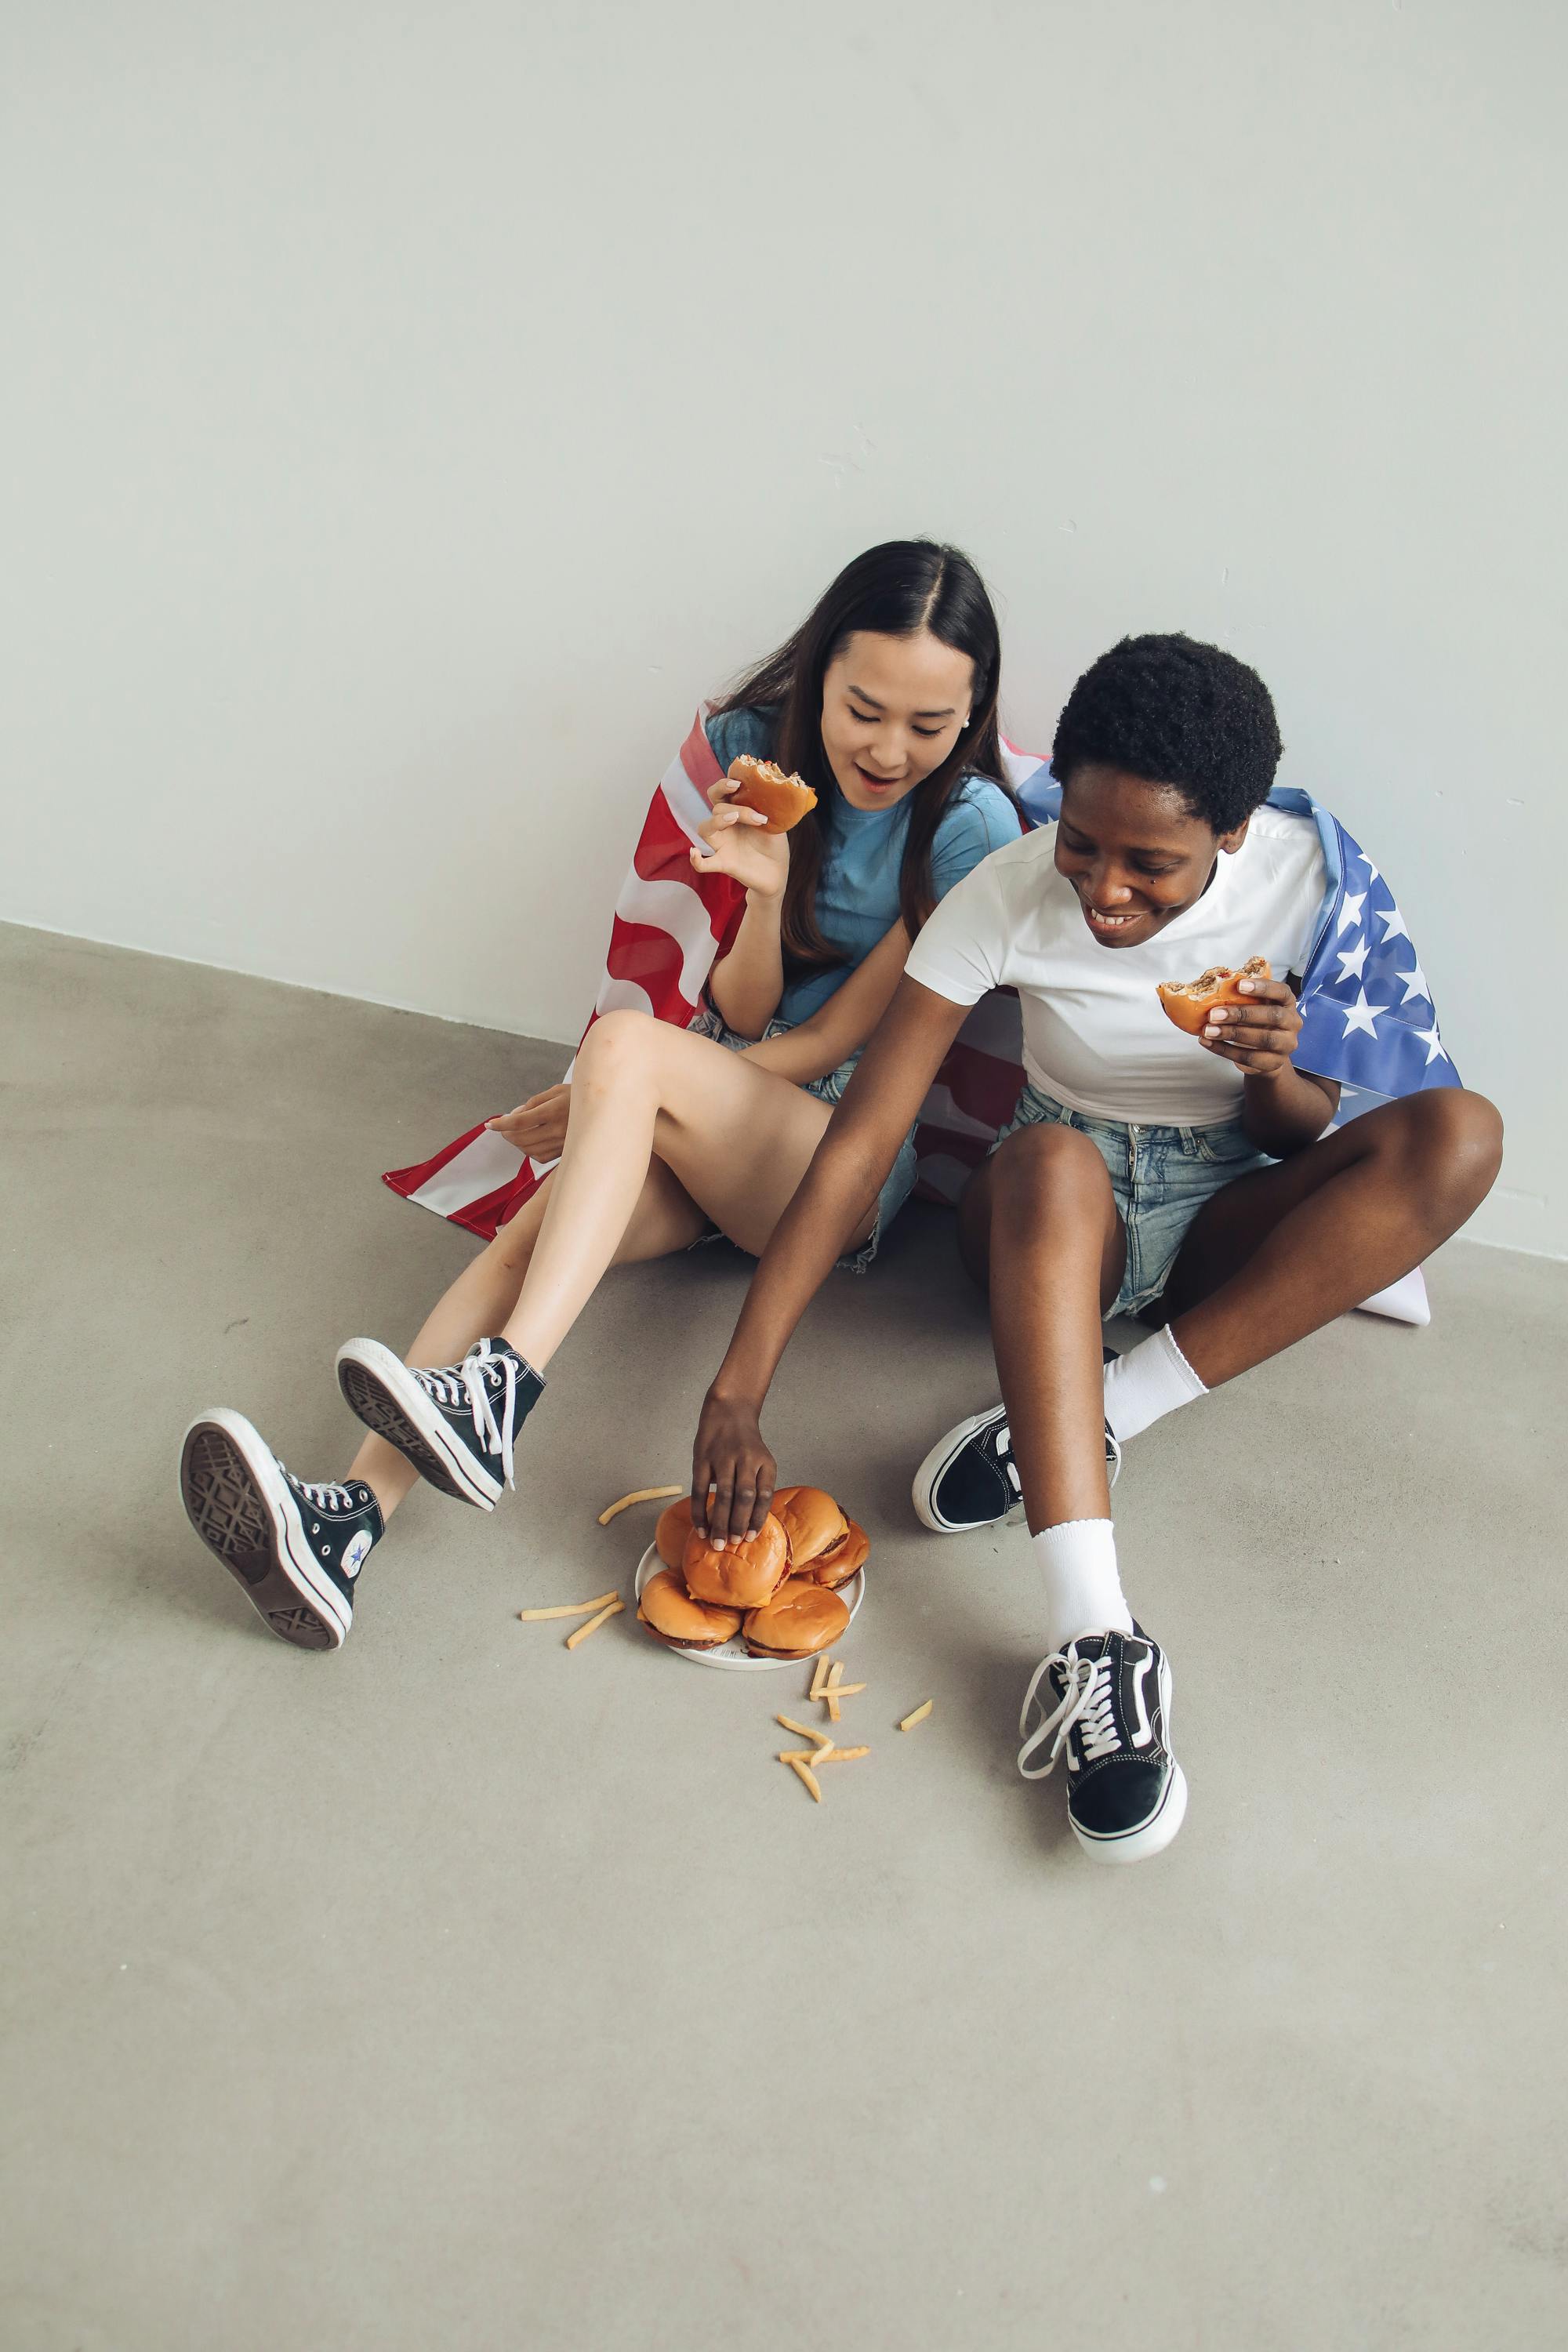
[
  {"x": 836, "y": 1673},
  {"x": 822, "y": 1754},
  {"x": 842, "y": 1755},
  {"x": 594, "y": 1623},
  {"x": 642, "y": 1494},
  {"x": 919, "y": 1716},
  {"x": 806, "y": 1773},
  {"x": 845, "y": 1690},
  {"x": 572, "y": 1609},
  {"x": 822, "y": 1666},
  {"x": 817, "y": 1738},
  {"x": 830, "y": 1700}
]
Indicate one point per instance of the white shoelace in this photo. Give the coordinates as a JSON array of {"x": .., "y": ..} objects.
[
  {"x": 465, "y": 1384},
  {"x": 1005, "y": 1455},
  {"x": 327, "y": 1496},
  {"x": 1085, "y": 1702}
]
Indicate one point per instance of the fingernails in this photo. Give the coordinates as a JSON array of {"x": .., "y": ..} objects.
[{"x": 1244, "y": 987}]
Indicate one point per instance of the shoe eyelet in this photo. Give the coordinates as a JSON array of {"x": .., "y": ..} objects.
[{"x": 316, "y": 1530}]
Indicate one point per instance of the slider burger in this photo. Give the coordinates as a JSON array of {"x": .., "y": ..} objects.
[
  {"x": 670, "y": 1536},
  {"x": 1189, "y": 1002},
  {"x": 848, "y": 1554},
  {"x": 671, "y": 1616},
  {"x": 800, "y": 1620},
  {"x": 741, "y": 1578},
  {"x": 811, "y": 1520},
  {"x": 760, "y": 785}
]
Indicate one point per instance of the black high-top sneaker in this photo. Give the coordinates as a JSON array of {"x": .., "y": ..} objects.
[
  {"x": 969, "y": 1479},
  {"x": 1126, "y": 1792},
  {"x": 294, "y": 1548},
  {"x": 457, "y": 1425}
]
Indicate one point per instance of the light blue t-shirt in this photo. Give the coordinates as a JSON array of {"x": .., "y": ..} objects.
[{"x": 857, "y": 887}]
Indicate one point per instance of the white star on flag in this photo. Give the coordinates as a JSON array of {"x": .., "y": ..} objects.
[
  {"x": 1414, "y": 984},
  {"x": 1373, "y": 870},
  {"x": 1352, "y": 960},
  {"x": 1362, "y": 1015},
  {"x": 1433, "y": 1043},
  {"x": 1350, "y": 913},
  {"x": 1393, "y": 926}
]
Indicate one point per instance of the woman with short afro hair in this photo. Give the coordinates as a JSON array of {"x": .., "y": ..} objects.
[{"x": 1198, "y": 1182}]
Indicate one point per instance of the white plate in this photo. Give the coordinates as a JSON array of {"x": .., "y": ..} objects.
[{"x": 734, "y": 1655}]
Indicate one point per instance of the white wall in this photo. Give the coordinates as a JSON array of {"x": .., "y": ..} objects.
[{"x": 413, "y": 410}]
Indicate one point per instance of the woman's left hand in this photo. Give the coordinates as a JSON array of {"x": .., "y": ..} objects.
[
  {"x": 537, "y": 1127},
  {"x": 1257, "y": 1037}
]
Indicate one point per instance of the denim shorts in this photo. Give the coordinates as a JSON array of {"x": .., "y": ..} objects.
[
  {"x": 901, "y": 1179},
  {"x": 1161, "y": 1176}
]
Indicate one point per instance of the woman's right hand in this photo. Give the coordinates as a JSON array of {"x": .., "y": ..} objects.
[
  {"x": 537, "y": 1127},
  {"x": 732, "y": 1473},
  {"x": 739, "y": 845}
]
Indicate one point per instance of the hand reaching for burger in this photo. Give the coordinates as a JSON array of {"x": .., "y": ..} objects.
[
  {"x": 537, "y": 1127},
  {"x": 732, "y": 1473},
  {"x": 1257, "y": 1037},
  {"x": 740, "y": 845}
]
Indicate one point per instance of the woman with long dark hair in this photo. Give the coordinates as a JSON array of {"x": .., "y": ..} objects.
[{"x": 885, "y": 702}]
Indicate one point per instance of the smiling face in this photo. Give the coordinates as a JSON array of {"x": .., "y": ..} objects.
[
  {"x": 892, "y": 710},
  {"x": 1134, "y": 851}
]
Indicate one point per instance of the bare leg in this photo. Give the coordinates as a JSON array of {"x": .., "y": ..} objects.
[
  {"x": 1039, "y": 1224},
  {"x": 737, "y": 1138},
  {"x": 1279, "y": 1253},
  {"x": 484, "y": 1295}
]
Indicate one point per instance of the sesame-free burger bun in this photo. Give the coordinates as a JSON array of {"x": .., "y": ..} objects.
[
  {"x": 744, "y": 1575},
  {"x": 670, "y": 1536},
  {"x": 1189, "y": 1002},
  {"x": 760, "y": 785},
  {"x": 670, "y": 1614},
  {"x": 837, "y": 1567},
  {"x": 799, "y": 1621},
  {"x": 811, "y": 1520}
]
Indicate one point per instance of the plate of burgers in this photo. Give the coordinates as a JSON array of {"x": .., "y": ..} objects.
[{"x": 787, "y": 1592}]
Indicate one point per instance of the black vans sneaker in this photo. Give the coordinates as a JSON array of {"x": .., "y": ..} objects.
[
  {"x": 457, "y": 1425},
  {"x": 295, "y": 1550},
  {"x": 1126, "y": 1792},
  {"x": 969, "y": 1479}
]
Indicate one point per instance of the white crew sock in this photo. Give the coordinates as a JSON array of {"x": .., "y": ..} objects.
[
  {"x": 1149, "y": 1382},
  {"x": 1083, "y": 1591}
]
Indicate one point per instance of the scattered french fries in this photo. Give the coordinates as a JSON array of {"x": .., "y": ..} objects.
[
  {"x": 805, "y": 1731},
  {"x": 594, "y": 1623},
  {"x": 919, "y": 1716},
  {"x": 798, "y": 1766},
  {"x": 842, "y": 1755},
  {"x": 571, "y": 1609},
  {"x": 640, "y": 1495}
]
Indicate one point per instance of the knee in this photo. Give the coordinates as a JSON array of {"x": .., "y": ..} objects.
[
  {"x": 617, "y": 1041},
  {"x": 1049, "y": 1168},
  {"x": 1451, "y": 1141}
]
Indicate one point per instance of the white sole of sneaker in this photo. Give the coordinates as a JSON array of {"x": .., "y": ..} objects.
[
  {"x": 378, "y": 1388},
  {"x": 1160, "y": 1827},
  {"x": 930, "y": 1470},
  {"x": 247, "y": 1518}
]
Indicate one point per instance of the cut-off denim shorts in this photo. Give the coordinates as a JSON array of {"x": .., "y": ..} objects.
[
  {"x": 1161, "y": 1176},
  {"x": 901, "y": 1179}
]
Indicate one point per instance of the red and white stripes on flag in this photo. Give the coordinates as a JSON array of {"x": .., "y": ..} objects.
[{"x": 671, "y": 924}]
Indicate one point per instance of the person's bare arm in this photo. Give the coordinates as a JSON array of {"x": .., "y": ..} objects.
[
  {"x": 844, "y": 1022},
  {"x": 850, "y": 1165},
  {"x": 1282, "y": 1108}
]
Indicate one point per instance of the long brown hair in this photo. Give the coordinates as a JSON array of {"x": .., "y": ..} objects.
[{"x": 892, "y": 591}]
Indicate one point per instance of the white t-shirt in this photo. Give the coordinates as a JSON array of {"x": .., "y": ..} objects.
[{"x": 1094, "y": 1033}]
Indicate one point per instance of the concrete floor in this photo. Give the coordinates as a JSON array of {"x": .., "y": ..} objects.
[{"x": 456, "y": 1990}]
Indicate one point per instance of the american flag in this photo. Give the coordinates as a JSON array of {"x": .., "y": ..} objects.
[{"x": 1367, "y": 1016}]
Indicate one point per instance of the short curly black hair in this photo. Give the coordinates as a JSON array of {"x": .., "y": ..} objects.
[{"x": 1178, "y": 713}]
